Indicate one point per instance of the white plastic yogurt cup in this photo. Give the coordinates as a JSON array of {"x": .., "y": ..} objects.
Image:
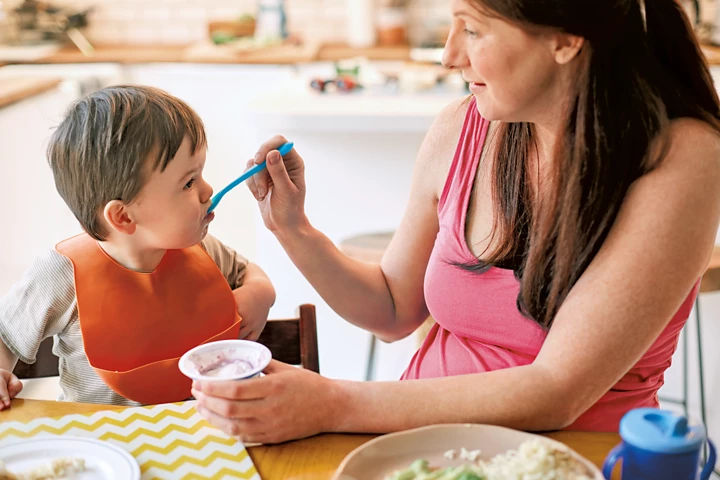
[{"x": 225, "y": 360}]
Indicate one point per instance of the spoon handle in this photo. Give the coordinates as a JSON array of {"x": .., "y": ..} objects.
[{"x": 284, "y": 149}]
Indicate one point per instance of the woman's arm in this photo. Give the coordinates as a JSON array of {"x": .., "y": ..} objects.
[
  {"x": 253, "y": 299},
  {"x": 655, "y": 252},
  {"x": 387, "y": 298}
]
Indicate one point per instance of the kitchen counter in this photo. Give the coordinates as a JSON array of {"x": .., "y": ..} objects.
[
  {"x": 712, "y": 53},
  {"x": 14, "y": 89},
  {"x": 209, "y": 53},
  {"x": 283, "y": 54}
]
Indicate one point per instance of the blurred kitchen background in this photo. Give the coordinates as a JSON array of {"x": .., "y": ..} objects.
[{"x": 354, "y": 83}]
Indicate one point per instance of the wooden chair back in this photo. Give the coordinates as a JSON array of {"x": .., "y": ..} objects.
[
  {"x": 292, "y": 340},
  {"x": 46, "y": 363}
]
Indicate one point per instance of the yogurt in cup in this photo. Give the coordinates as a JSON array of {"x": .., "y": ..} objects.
[{"x": 225, "y": 360}]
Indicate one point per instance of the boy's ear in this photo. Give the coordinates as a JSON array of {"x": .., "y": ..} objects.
[
  {"x": 566, "y": 47},
  {"x": 118, "y": 217}
]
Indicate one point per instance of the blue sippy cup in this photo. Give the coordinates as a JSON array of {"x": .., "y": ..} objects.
[{"x": 659, "y": 445}]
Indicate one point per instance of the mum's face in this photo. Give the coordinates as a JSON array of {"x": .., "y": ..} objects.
[{"x": 512, "y": 72}]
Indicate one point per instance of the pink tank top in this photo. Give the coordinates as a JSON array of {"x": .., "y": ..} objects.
[{"x": 478, "y": 325}]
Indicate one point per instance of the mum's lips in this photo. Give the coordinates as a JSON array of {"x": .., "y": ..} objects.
[{"x": 475, "y": 86}]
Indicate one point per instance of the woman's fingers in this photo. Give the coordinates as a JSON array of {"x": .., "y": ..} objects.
[
  {"x": 271, "y": 144},
  {"x": 276, "y": 366},
  {"x": 223, "y": 407},
  {"x": 254, "y": 181},
  {"x": 278, "y": 174},
  {"x": 286, "y": 403},
  {"x": 246, "y": 429},
  {"x": 250, "y": 389}
]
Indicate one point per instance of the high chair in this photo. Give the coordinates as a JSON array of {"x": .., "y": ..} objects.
[{"x": 369, "y": 247}]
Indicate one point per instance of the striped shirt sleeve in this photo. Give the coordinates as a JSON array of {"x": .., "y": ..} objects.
[
  {"x": 41, "y": 304},
  {"x": 232, "y": 265}
]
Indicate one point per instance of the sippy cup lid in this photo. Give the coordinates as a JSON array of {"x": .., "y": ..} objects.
[{"x": 660, "y": 431}]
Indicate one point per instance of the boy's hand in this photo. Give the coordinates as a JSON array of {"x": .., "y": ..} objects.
[
  {"x": 254, "y": 313},
  {"x": 253, "y": 300},
  {"x": 10, "y": 386}
]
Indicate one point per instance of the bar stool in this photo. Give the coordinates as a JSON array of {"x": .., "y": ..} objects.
[
  {"x": 368, "y": 247},
  {"x": 710, "y": 282}
]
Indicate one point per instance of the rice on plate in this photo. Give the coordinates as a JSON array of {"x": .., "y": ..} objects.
[
  {"x": 533, "y": 460},
  {"x": 465, "y": 451}
]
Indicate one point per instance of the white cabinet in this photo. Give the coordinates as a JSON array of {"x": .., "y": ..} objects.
[{"x": 33, "y": 214}]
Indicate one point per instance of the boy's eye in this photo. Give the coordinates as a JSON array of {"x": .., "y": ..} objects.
[
  {"x": 189, "y": 184},
  {"x": 469, "y": 32}
]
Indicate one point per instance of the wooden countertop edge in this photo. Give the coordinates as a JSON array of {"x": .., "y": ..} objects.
[
  {"x": 712, "y": 54},
  {"x": 13, "y": 90},
  {"x": 186, "y": 54},
  {"x": 180, "y": 53}
]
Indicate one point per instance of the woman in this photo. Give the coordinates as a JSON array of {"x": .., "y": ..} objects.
[{"x": 558, "y": 224}]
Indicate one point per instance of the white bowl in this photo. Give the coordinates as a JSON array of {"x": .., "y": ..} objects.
[
  {"x": 225, "y": 360},
  {"x": 383, "y": 455}
]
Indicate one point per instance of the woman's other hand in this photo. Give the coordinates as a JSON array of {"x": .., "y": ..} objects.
[
  {"x": 279, "y": 189},
  {"x": 285, "y": 404}
]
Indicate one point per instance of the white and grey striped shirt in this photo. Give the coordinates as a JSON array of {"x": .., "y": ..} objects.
[{"x": 43, "y": 304}]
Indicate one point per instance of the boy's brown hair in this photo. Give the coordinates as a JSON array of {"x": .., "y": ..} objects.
[{"x": 100, "y": 150}]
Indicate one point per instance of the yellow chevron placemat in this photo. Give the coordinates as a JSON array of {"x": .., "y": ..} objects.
[{"x": 169, "y": 441}]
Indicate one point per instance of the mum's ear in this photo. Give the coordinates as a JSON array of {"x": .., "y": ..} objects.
[
  {"x": 118, "y": 217},
  {"x": 566, "y": 47}
]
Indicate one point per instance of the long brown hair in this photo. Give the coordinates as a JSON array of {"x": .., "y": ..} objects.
[{"x": 639, "y": 72}]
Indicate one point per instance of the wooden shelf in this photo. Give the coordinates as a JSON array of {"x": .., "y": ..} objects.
[{"x": 18, "y": 88}]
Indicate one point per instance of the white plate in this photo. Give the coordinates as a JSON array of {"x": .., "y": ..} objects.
[
  {"x": 103, "y": 461},
  {"x": 383, "y": 455}
]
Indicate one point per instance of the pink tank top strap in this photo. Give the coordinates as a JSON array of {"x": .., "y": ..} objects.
[{"x": 464, "y": 164}]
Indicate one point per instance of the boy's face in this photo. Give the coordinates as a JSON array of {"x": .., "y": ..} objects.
[{"x": 171, "y": 209}]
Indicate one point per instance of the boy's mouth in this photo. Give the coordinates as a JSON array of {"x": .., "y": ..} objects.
[{"x": 209, "y": 217}]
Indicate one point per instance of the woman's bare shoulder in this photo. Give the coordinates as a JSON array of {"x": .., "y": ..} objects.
[
  {"x": 679, "y": 199},
  {"x": 693, "y": 147},
  {"x": 438, "y": 147},
  {"x": 451, "y": 118}
]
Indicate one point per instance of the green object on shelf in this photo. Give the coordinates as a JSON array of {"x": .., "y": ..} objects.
[
  {"x": 220, "y": 37},
  {"x": 345, "y": 70}
]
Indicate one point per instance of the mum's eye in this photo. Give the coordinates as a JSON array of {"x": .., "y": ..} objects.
[
  {"x": 469, "y": 32},
  {"x": 189, "y": 184}
]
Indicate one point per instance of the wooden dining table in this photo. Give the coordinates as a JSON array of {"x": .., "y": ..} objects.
[{"x": 314, "y": 458}]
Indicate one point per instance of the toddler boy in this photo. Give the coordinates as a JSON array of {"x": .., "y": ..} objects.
[{"x": 144, "y": 283}]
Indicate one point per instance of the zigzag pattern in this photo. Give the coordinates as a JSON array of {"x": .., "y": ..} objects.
[{"x": 169, "y": 441}]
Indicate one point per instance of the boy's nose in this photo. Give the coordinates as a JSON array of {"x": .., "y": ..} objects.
[{"x": 207, "y": 192}]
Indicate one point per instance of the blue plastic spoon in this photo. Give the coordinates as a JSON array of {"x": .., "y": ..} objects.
[{"x": 284, "y": 149}]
